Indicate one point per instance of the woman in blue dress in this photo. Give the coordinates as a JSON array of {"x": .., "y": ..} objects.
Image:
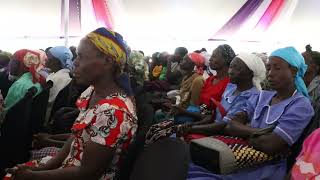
[
  {"x": 246, "y": 72},
  {"x": 287, "y": 108}
]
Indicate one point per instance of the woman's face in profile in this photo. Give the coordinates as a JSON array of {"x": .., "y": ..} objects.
[{"x": 279, "y": 73}]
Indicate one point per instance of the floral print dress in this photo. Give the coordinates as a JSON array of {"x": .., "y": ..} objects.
[{"x": 112, "y": 122}]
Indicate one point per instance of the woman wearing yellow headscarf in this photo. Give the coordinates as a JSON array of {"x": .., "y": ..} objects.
[{"x": 107, "y": 120}]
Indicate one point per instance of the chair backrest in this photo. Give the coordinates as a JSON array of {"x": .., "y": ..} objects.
[
  {"x": 39, "y": 108},
  {"x": 5, "y": 84},
  {"x": 165, "y": 159},
  {"x": 16, "y": 137},
  {"x": 145, "y": 114}
]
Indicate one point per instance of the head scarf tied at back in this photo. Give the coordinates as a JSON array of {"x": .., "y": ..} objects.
[
  {"x": 227, "y": 53},
  {"x": 198, "y": 60},
  {"x": 295, "y": 59},
  {"x": 256, "y": 65},
  {"x": 31, "y": 61},
  {"x": 64, "y": 55},
  {"x": 112, "y": 44}
]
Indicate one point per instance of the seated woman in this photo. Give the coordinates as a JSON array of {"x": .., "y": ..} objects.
[
  {"x": 214, "y": 86},
  {"x": 246, "y": 72},
  {"x": 107, "y": 121},
  {"x": 157, "y": 66},
  {"x": 174, "y": 76},
  {"x": 5, "y": 83},
  {"x": 312, "y": 77},
  {"x": 163, "y": 58},
  {"x": 4, "y": 61},
  {"x": 59, "y": 64},
  {"x": 158, "y": 81},
  {"x": 308, "y": 162},
  {"x": 287, "y": 109},
  {"x": 192, "y": 69},
  {"x": 25, "y": 65}
]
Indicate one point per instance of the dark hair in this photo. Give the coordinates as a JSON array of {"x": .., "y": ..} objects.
[
  {"x": 315, "y": 55},
  {"x": 227, "y": 53},
  {"x": 308, "y": 48},
  {"x": 182, "y": 51},
  {"x": 47, "y": 49},
  {"x": 155, "y": 56},
  {"x": 201, "y": 50},
  {"x": 141, "y": 52},
  {"x": 4, "y": 60}
]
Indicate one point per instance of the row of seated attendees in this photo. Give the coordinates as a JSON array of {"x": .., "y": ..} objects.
[{"x": 109, "y": 113}]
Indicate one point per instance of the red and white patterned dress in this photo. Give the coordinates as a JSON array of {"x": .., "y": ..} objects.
[{"x": 112, "y": 122}]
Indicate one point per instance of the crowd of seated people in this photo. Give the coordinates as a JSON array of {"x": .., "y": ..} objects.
[{"x": 240, "y": 114}]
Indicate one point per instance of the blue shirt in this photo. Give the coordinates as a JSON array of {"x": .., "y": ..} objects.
[
  {"x": 233, "y": 104},
  {"x": 290, "y": 116}
]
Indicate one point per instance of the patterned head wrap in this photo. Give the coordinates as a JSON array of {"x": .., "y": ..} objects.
[
  {"x": 139, "y": 65},
  {"x": 256, "y": 65},
  {"x": 198, "y": 60},
  {"x": 136, "y": 60},
  {"x": 227, "y": 53},
  {"x": 32, "y": 62},
  {"x": 110, "y": 43},
  {"x": 295, "y": 59},
  {"x": 64, "y": 55}
]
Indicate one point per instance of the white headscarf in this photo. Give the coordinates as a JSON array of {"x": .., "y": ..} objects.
[{"x": 256, "y": 65}]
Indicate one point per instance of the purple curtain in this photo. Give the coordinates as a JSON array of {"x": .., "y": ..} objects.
[{"x": 237, "y": 20}]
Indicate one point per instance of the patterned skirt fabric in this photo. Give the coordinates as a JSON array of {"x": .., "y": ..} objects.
[
  {"x": 44, "y": 152},
  {"x": 33, "y": 163},
  {"x": 245, "y": 155}
]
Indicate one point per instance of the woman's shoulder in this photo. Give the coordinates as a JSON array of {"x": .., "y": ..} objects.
[
  {"x": 25, "y": 82},
  {"x": 296, "y": 98},
  {"x": 250, "y": 93},
  {"x": 303, "y": 102},
  {"x": 119, "y": 102},
  {"x": 230, "y": 88},
  {"x": 199, "y": 78}
]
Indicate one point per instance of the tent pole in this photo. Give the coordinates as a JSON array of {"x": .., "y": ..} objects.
[{"x": 66, "y": 23}]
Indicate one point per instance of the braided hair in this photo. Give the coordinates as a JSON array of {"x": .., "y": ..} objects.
[{"x": 227, "y": 53}]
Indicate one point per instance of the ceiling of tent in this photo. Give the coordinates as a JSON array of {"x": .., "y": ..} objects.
[{"x": 165, "y": 24}]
